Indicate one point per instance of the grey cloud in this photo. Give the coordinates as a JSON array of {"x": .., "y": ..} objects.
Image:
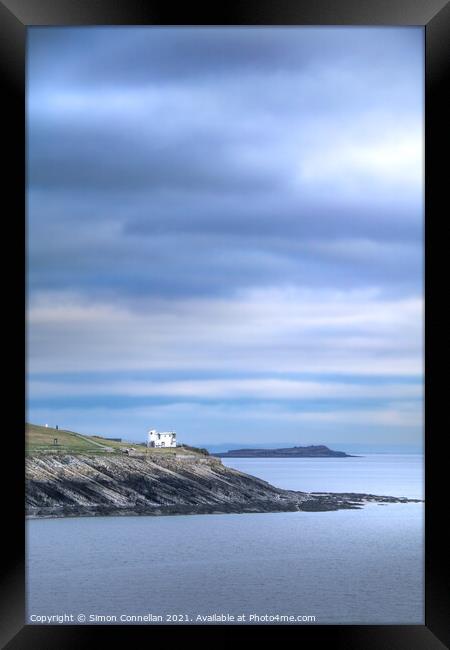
[
  {"x": 196, "y": 183},
  {"x": 225, "y": 202},
  {"x": 82, "y": 158},
  {"x": 136, "y": 55}
]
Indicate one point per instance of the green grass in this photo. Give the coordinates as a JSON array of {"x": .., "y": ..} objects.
[
  {"x": 41, "y": 439},
  {"x": 38, "y": 438}
]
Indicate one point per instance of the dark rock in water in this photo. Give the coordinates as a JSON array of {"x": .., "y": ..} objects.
[
  {"x": 311, "y": 451},
  {"x": 99, "y": 485}
]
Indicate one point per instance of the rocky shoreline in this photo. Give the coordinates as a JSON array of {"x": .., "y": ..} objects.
[{"x": 68, "y": 485}]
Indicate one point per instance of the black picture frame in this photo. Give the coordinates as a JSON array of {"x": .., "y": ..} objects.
[{"x": 434, "y": 15}]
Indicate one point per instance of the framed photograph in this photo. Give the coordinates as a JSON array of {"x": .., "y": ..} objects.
[{"x": 228, "y": 218}]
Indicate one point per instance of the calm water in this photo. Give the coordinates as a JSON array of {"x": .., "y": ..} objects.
[
  {"x": 350, "y": 567},
  {"x": 394, "y": 475}
]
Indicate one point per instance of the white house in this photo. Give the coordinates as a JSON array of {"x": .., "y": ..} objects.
[{"x": 161, "y": 439}]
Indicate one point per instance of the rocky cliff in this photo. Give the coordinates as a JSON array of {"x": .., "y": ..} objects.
[{"x": 61, "y": 485}]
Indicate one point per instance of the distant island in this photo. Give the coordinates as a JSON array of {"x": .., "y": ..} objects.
[{"x": 310, "y": 451}]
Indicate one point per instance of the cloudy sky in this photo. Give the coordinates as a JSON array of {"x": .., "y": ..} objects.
[{"x": 225, "y": 233}]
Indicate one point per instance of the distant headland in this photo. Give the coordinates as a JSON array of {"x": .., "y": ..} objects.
[
  {"x": 73, "y": 475},
  {"x": 310, "y": 451}
]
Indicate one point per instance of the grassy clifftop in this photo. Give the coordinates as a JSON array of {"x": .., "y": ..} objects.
[{"x": 39, "y": 439}]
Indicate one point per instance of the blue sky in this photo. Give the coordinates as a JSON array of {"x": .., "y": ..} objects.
[{"x": 225, "y": 233}]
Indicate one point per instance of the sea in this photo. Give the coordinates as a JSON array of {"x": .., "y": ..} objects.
[{"x": 348, "y": 567}]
